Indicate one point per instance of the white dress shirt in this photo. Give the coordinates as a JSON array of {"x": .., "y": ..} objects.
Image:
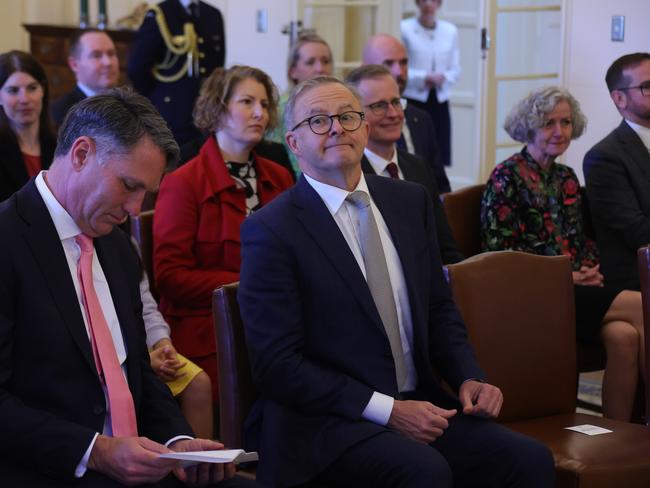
[
  {"x": 430, "y": 50},
  {"x": 379, "y": 164},
  {"x": 643, "y": 132},
  {"x": 67, "y": 229},
  {"x": 345, "y": 215}
]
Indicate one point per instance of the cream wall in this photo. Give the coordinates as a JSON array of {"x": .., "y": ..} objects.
[
  {"x": 589, "y": 52},
  {"x": 243, "y": 44}
]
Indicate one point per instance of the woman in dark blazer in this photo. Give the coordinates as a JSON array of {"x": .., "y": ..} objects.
[
  {"x": 27, "y": 140},
  {"x": 202, "y": 204}
]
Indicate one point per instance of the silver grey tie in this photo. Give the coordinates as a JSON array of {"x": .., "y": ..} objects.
[{"x": 378, "y": 279}]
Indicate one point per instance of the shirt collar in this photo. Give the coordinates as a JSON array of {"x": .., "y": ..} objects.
[
  {"x": 377, "y": 162},
  {"x": 89, "y": 92},
  {"x": 643, "y": 133},
  {"x": 334, "y": 196},
  {"x": 63, "y": 222}
]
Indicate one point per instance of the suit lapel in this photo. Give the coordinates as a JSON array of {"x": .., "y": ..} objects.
[
  {"x": 320, "y": 225},
  {"x": 366, "y": 167},
  {"x": 634, "y": 148},
  {"x": 45, "y": 244}
]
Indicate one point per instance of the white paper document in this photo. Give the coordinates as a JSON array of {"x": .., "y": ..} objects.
[
  {"x": 223, "y": 456},
  {"x": 589, "y": 429}
]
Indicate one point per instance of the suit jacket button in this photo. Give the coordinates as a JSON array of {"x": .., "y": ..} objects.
[
  {"x": 202, "y": 70},
  {"x": 200, "y": 40},
  {"x": 167, "y": 99},
  {"x": 98, "y": 410}
]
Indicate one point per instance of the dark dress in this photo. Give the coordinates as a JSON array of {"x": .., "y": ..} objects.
[
  {"x": 13, "y": 172},
  {"x": 526, "y": 208}
]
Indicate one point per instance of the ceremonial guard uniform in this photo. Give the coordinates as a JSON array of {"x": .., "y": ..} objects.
[{"x": 174, "y": 50}]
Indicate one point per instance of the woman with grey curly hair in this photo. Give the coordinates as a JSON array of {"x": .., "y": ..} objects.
[{"x": 533, "y": 204}]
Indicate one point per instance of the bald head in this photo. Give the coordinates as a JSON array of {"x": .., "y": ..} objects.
[{"x": 389, "y": 51}]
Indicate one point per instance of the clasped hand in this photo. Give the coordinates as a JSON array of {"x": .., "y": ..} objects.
[
  {"x": 588, "y": 276},
  {"x": 425, "y": 422}
]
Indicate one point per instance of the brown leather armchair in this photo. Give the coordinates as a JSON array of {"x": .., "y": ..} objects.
[
  {"x": 463, "y": 210},
  {"x": 236, "y": 390},
  {"x": 519, "y": 313},
  {"x": 141, "y": 228}
]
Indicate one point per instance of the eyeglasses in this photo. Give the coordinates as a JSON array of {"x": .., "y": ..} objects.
[
  {"x": 321, "y": 124},
  {"x": 380, "y": 108},
  {"x": 643, "y": 87}
]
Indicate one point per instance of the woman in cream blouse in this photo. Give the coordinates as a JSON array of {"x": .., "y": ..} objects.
[{"x": 434, "y": 67}]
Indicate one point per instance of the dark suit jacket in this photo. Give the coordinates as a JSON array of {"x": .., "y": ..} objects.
[
  {"x": 617, "y": 173},
  {"x": 317, "y": 346},
  {"x": 423, "y": 134},
  {"x": 63, "y": 104},
  {"x": 13, "y": 174},
  {"x": 415, "y": 169},
  {"x": 51, "y": 399},
  {"x": 175, "y": 100}
]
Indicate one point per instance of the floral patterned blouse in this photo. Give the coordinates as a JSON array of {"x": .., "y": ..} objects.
[{"x": 526, "y": 208}]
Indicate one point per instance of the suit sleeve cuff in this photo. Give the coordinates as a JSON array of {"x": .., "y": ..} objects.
[
  {"x": 82, "y": 467},
  {"x": 379, "y": 408}
]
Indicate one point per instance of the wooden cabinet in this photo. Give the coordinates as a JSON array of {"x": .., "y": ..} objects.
[{"x": 49, "y": 44}]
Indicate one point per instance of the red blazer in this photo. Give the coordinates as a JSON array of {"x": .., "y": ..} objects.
[{"x": 196, "y": 245}]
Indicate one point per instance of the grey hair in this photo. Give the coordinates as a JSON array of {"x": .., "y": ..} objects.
[
  {"x": 309, "y": 85},
  {"x": 116, "y": 121},
  {"x": 365, "y": 72},
  {"x": 527, "y": 116}
]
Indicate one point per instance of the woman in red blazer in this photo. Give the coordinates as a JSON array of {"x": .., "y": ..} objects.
[{"x": 201, "y": 206}]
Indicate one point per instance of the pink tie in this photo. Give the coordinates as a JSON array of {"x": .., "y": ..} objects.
[
  {"x": 119, "y": 396},
  {"x": 392, "y": 170}
]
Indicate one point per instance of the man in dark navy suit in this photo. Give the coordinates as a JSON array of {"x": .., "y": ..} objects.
[
  {"x": 384, "y": 111},
  {"x": 170, "y": 75},
  {"x": 617, "y": 173},
  {"x": 93, "y": 60},
  {"x": 347, "y": 313},
  {"x": 418, "y": 132},
  {"x": 79, "y": 403}
]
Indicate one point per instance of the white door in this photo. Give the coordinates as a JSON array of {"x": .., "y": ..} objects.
[
  {"x": 466, "y": 96},
  {"x": 346, "y": 25},
  {"x": 526, "y": 54}
]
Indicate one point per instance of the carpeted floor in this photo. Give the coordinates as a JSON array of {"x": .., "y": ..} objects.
[{"x": 589, "y": 392}]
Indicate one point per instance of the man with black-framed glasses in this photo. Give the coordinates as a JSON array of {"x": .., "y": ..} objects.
[
  {"x": 384, "y": 108},
  {"x": 347, "y": 313},
  {"x": 617, "y": 173}
]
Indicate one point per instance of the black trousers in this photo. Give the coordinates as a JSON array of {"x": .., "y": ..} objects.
[
  {"x": 472, "y": 452},
  {"x": 439, "y": 113}
]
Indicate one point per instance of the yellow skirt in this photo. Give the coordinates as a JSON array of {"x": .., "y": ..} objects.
[{"x": 188, "y": 372}]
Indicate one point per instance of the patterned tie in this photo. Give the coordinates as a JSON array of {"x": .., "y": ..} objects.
[
  {"x": 392, "y": 170},
  {"x": 108, "y": 366},
  {"x": 379, "y": 280}
]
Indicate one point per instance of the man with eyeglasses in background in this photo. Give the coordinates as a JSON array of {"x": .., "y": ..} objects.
[
  {"x": 384, "y": 109},
  {"x": 418, "y": 131},
  {"x": 617, "y": 173},
  {"x": 347, "y": 313}
]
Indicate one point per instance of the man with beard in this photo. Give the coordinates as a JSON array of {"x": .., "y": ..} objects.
[{"x": 617, "y": 172}]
